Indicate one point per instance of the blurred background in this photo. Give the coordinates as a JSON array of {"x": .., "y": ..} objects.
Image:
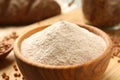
[
  {"x": 19, "y": 16},
  {"x": 69, "y": 5}
]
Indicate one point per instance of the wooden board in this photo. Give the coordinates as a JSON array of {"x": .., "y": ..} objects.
[{"x": 6, "y": 65}]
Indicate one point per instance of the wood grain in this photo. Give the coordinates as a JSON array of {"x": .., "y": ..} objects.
[{"x": 112, "y": 72}]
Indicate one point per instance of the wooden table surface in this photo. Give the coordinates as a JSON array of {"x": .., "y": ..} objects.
[{"x": 6, "y": 65}]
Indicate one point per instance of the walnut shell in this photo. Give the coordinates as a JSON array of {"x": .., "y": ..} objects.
[
  {"x": 102, "y": 13},
  {"x": 21, "y": 12}
]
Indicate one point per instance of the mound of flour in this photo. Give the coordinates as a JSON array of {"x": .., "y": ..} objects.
[{"x": 63, "y": 43}]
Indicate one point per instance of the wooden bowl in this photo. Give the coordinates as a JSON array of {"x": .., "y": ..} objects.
[{"x": 91, "y": 70}]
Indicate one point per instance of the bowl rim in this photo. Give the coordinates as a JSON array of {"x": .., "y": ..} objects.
[{"x": 93, "y": 29}]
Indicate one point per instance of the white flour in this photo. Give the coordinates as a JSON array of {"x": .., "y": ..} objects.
[{"x": 63, "y": 43}]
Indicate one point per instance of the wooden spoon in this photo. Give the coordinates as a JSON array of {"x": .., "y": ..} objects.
[
  {"x": 6, "y": 45},
  {"x": 6, "y": 52}
]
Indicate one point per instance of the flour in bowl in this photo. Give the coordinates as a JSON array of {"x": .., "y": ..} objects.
[{"x": 63, "y": 43}]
